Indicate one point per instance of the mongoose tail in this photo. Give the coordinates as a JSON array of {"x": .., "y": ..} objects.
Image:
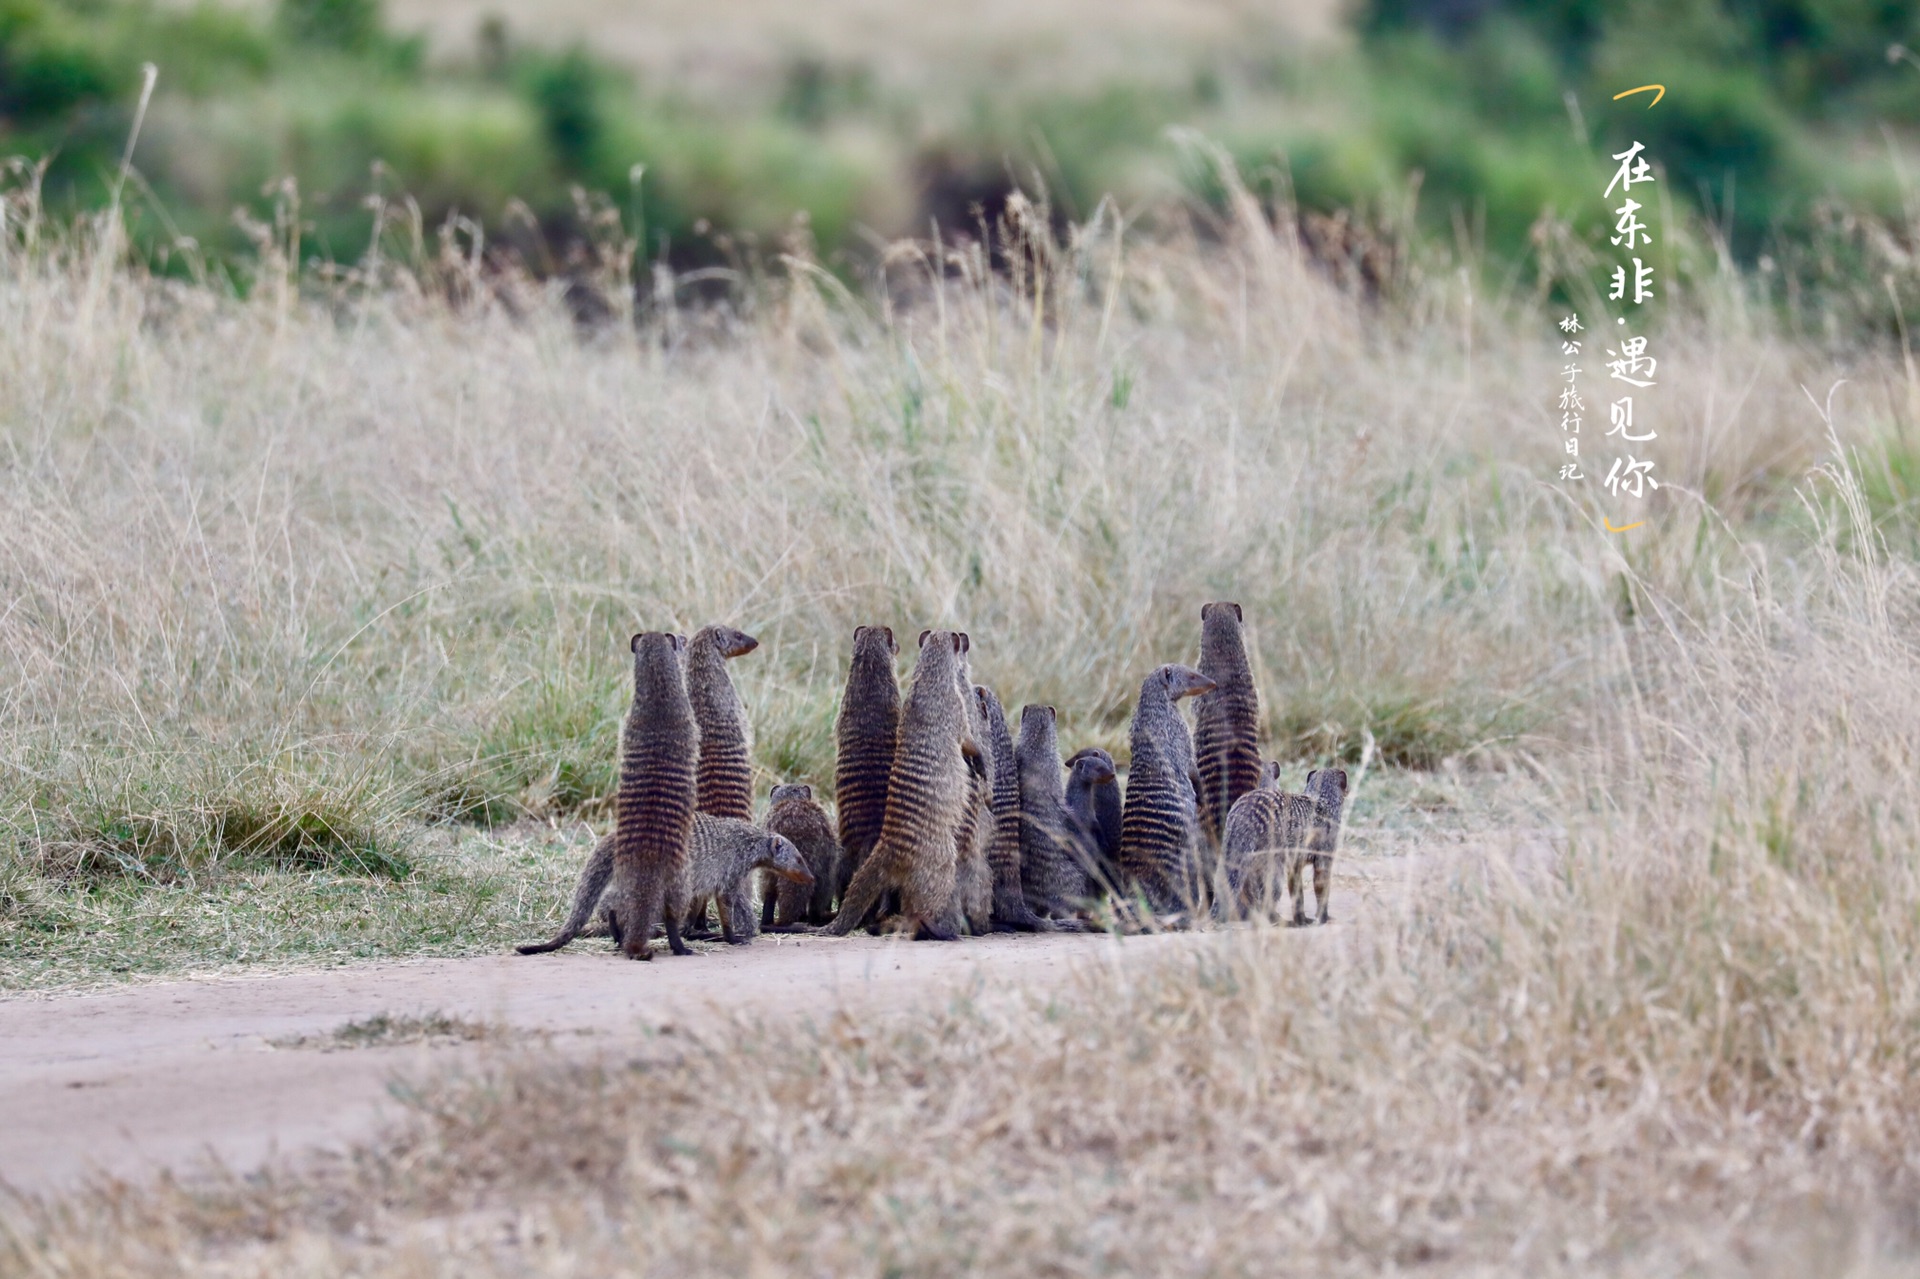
[{"x": 593, "y": 882}]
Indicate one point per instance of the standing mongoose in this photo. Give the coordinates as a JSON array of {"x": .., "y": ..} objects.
[
  {"x": 1010, "y": 907},
  {"x": 1051, "y": 871},
  {"x": 1159, "y": 822},
  {"x": 785, "y": 903},
  {"x": 863, "y": 735},
  {"x": 724, "y": 781},
  {"x": 927, "y": 792},
  {"x": 973, "y": 841},
  {"x": 654, "y": 800},
  {"x": 1226, "y": 719},
  {"x": 1093, "y": 801},
  {"x": 725, "y": 851}
]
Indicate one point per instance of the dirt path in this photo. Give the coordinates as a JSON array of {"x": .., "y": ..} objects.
[{"x": 154, "y": 1076}]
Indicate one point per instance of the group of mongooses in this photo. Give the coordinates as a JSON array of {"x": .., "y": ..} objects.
[{"x": 946, "y": 824}]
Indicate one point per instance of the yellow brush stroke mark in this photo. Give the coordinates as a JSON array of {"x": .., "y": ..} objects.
[
  {"x": 1659, "y": 92},
  {"x": 1611, "y": 529}
]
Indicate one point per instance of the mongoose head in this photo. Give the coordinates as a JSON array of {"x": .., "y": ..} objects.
[
  {"x": 1093, "y": 766},
  {"x": 779, "y": 855},
  {"x": 1270, "y": 775},
  {"x": 791, "y": 790},
  {"x": 729, "y": 642},
  {"x": 1327, "y": 788},
  {"x": 1221, "y": 608},
  {"x": 875, "y": 636},
  {"x": 655, "y": 651},
  {"x": 1040, "y": 715},
  {"x": 961, "y": 643},
  {"x": 1183, "y": 681}
]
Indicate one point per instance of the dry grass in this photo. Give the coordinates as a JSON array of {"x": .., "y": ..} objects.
[{"x": 337, "y": 550}]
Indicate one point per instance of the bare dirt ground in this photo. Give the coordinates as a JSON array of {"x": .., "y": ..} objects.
[
  {"x": 154, "y": 1076},
  {"x": 244, "y": 1069}
]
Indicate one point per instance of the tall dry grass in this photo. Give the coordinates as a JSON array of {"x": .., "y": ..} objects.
[{"x": 364, "y": 550}]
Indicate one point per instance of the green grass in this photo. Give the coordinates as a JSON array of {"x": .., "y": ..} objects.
[{"x": 464, "y": 892}]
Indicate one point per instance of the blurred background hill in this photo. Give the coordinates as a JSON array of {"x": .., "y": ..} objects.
[{"x": 704, "y": 129}]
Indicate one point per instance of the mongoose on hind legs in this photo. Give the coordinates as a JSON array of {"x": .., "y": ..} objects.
[
  {"x": 1226, "y": 719},
  {"x": 1051, "y": 870},
  {"x": 793, "y": 812},
  {"x": 1093, "y": 801},
  {"x": 863, "y": 736},
  {"x": 723, "y": 783},
  {"x": 1010, "y": 907},
  {"x": 654, "y": 801},
  {"x": 1159, "y": 822},
  {"x": 927, "y": 792},
  {"x": 973, "y": 841}
]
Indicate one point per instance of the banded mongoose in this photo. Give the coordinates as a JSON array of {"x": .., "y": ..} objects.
[
  {"x": 716, "y": 848},
  {"x": 654, "y": 800},
  {"x": 724, "y": 781},
  {"x": 1093, "y": 801},
  {"x": 724, "y": 852},
  {"x": 1226, "y": 722},
  {"x": 863, "y": 734},
  {"x": 1051, "y": 871},
  {"x": 927, "y": 792},
  {"x": 1272, "y": 834},
  {"x": 973, "y": 841},
  {"x": 1327, "y": 792},
  {"x": 785, "y": 903},
  {"x": 1010, "y": 908},
  {"x": 1159, "y": 821}
]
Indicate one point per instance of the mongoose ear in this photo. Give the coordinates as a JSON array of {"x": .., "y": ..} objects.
[
  {"x": 923, "y": 638},
  {"x": 1311, "y": 774},
  {"x": 1238, "y": 616},
  {"x": 633, "y": 645},
  {"x": 858, "y": 631},
  {"x": 961, "y": 643},
  {"x": 679, "y": 643},
  {"x": 1051, "y": 713},
  {"x": 892, "y": 647}
]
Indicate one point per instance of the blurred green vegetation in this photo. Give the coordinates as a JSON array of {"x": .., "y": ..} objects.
[{"x": 1457, "y": 122}]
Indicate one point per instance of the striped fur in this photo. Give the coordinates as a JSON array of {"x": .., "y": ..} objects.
[
  {"x": 792, "y": 812},
  {"x": 655, "y": 797},
  {"x": 973, "y": 872},
  {"x": 1159, "y": 823},
  {"x": 927, "y": 792},
  {"x": 864, "y": 735},
  {"x": 1010, "y": 907},
  {"x": 723, "y": 784},
  {"x": 1226, "y": 721},
  {"x": 715, "y": 849},
  {"x": 1051, "y": 870},
  {"x": 1273, "y": 836}
]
